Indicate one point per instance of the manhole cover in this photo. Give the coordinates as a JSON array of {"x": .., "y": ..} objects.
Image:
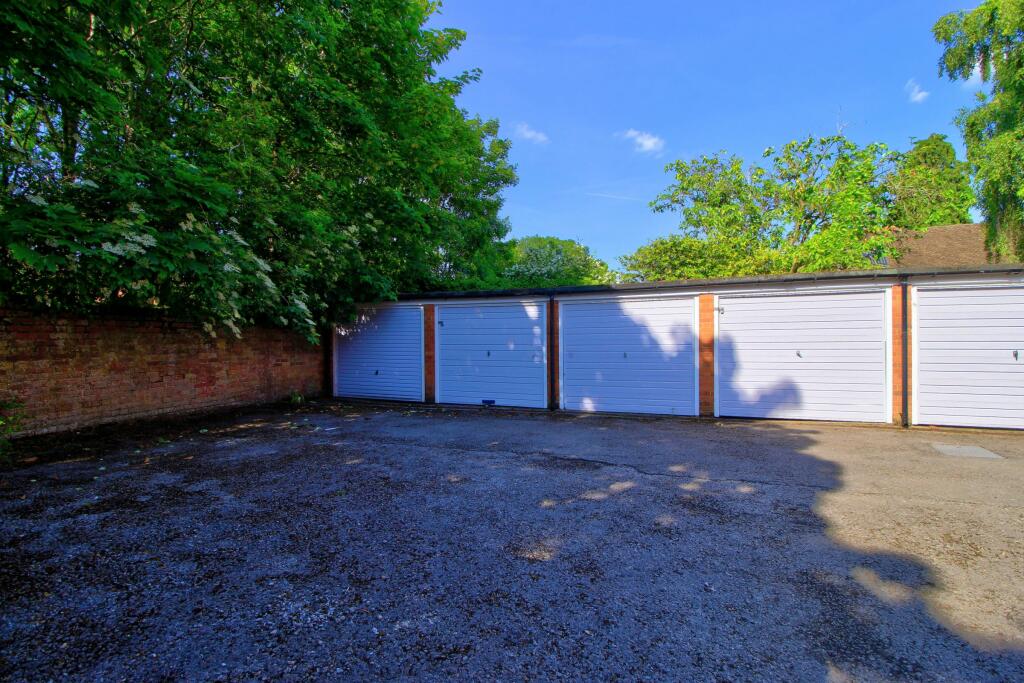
[{"x": 958, "y": 451}]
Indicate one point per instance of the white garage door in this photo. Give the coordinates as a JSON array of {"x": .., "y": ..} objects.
[
  {"x": 803, "y": 356},
  {"x": 492, "y": 354},
  {"x": 381, "y": 355},
  {"x": 625, "y": 355},
  {"x": 970, "y": 357}
]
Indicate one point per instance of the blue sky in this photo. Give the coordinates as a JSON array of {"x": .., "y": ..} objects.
[{"x": 598, "y": 96}]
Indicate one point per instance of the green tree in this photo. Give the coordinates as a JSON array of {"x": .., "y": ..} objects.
[
  {"x": 237, "y": 162},
  {"x": 552, "y": 262},
  {"x": 683, "y": 257},
  {"x": 931, "y": 186},
  {"x": 817, "y": 204},
  {"x": 990, "y": 39}
]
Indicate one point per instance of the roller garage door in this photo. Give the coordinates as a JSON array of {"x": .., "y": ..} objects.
[
  {"x": 803, "y": 356},
  {"x": 629, "y": 355},
  {"x": 969, "y": 356},
  {"x": 381, "y": 355},
  {"x": 492, "y": 354}
]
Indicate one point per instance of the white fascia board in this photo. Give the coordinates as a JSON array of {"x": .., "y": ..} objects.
[
  {"x": 967, "y": 281},
  {"x": 815, "y": 287}
]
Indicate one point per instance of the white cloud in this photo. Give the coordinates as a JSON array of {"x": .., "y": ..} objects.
[
  {"x": 524, "y": 131},
  {"x": 915, "y": 94},
  {"x": 646, "y": 143}
]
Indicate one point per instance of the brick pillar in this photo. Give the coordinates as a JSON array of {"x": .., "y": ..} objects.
[
  {"x": 707, "y": 354},
  {"x": 429, "y": 393},
  {"x": 901, "y": 352},
  {"x": 553, "y": 388},
  {"x": 328, "y": 336}
]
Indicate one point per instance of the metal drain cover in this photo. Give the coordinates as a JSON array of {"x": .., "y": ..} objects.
[{"x": 958, "y": 451}]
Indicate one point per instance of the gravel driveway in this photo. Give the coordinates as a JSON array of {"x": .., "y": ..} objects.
[{"x": 380, "y": 542}]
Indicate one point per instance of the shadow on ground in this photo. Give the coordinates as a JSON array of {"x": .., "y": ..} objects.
[{"x": 360, "y": 541}]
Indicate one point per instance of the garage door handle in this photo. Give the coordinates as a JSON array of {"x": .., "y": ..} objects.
[
  {"x": 1016, "y": 355},
  {"x": 799, "y": 355}
]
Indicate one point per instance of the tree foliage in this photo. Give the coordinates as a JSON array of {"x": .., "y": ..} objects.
[
  {"x": 990, "y": 39},
  {"x": 684, "y": 257},
  {"x": 931, "y": 186},
  {"x": 816, "y": 204},
  {"x": 237, "y": 162},
  {"x": 552, "y": 262}
]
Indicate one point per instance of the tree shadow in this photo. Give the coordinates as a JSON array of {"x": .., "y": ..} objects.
[
  {"x": 735, "y": 533},
  {"x": 641, "y": 356}
]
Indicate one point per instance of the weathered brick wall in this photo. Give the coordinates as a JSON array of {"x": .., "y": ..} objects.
[{"x": 72, "y": 373}]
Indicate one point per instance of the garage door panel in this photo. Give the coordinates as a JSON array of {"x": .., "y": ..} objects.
[
  {"x": 966, "y": 371},
  {"x": 788, "y": 412},
  {"x": 492, "y": 339},
  {"x": 803, "y": 371},
  {"x": 805, "y": 375},
  {"x": 962, "y": 400},
  {"x": 771, "y": 319},
  {"x": 786, "y": 302},
  {"x": 992, "y": 334},
  {"x": 748, "y": 357},
  {"x": 1005, "y": 415},
  {"x": 803, "y": 356},
  {"x": 808, "y": 387},
  {"x": 514, "y": 381},
  {"x": 753, "y": 356},
  {"x": 983, "y": 419},
  {"x": 657, "y": 375},
  {"x": 606, "y": 404},
  {"x": 381, "y": 355},
  {"x": 798, "y": 318},
  {"x": 795, "y": 337},
  {"x": 975, "y": 296},
  {"x": 492, "y": 353},
  {"x": 982, "y": 382},
  {"x": 463, "y": 353},
  {"x": 665, "y": 312},
  {"x": 628, "y": 355},
  {"x": 951, "y": 363},
  {"x": 655, "y": 356},
  {"x": 970, "y": 318}
]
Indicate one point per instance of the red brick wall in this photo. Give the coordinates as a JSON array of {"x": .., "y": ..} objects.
[
  {"x": 429, "y": 325},
  {"x": 72, "y": 373},
  {"x": 706, "y": 355}
]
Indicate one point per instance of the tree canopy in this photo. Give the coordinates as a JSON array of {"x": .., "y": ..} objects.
[
  {"x": 931, "y": 186},
  {"x": 989, "y": 40},
  {"x": 817, "y": 204},
  {"x": 552, "y": 262},
  {"x": 237, "y": 162}
]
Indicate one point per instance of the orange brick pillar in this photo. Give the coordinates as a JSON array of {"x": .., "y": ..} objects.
[
  {"x": 902, "y": 349},
  {"x": 706, "y": 354},
  {"x": 553, "y": 402},
  {"x": 429, "y": 393}
]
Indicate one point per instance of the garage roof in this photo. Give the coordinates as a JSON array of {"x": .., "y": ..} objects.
[{"x": 879, "y": 273}]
